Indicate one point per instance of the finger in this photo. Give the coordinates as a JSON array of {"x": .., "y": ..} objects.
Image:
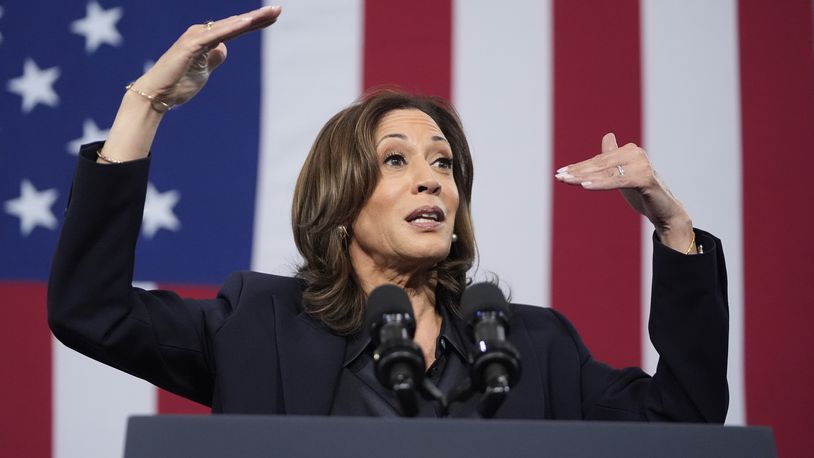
[
  {"x": 216, "y": 57},
  {"x": 631, "y": 178},
  {"x": 232, "y": 27},
  {"x": 596, "y": 163},
  {"x": 203, "y": 37},
  {"x": 266, "y": 16},
  {"x": 612, "y": 156},
  {"x": 609, "y": 143},
  {"x": 592, "y": 165},
  {"x": 609, "y": 174},
  {"x": 596, "y": 184},
  {"x": 600, "y": 184},
  {"x": 600, "y": 164},
  {"x": 263, "y": 15}
]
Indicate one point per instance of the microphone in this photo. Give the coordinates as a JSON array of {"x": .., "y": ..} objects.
[
  {"x": 495, "y": 362},
  {"x": 397, "y": 360}
]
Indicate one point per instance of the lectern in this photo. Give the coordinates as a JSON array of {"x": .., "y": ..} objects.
[{"x": 249, "y": 436}]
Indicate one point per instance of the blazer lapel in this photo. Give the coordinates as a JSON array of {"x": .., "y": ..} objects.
[
  {"x": 526, "y": 399},
  {"x": 310, "y": 362}
]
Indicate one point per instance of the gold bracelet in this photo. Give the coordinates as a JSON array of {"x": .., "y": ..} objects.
[
  {"x": 105, "y": 158},
  {"x": 153, "y": 100},
  {"x": 692, "y": 244}
]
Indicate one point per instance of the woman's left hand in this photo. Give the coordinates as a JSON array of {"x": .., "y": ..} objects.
[{"x": 629, "y": 170}]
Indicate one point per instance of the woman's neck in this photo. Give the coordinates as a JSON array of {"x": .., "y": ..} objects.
[{"x": 419, "y": 284}]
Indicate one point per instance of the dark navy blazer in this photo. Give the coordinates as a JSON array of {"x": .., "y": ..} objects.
[{"x": 252, "y": 349}]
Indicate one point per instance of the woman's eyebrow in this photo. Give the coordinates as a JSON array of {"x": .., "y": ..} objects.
[{"x": 435, "y": 138}]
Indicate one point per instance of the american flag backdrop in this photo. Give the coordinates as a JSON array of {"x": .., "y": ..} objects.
[{"x": 720, "y": 93}]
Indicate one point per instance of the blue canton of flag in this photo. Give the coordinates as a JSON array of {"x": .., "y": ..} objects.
[{"x": 63, "y": 74}]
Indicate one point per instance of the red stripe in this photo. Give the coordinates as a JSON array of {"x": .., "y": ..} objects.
[
  {"x": 777, "y": 99},
  {"x": 596, "y": 90},
  {"x": 25, "y": 387},
  {"x": 409, "y": 44},
  {"x": 169, "y": 403}
]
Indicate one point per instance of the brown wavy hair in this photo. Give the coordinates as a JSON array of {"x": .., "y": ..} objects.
[{"x": 339, "y": 174}]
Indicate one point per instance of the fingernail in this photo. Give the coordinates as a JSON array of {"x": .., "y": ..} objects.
[
  {"x": 563, "y": 175},
  {"x": 562, "y": 169},
  {"x": 586, "y": 184}
]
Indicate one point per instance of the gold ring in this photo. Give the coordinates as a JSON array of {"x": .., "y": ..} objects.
[{"x": 209, "y": 25}]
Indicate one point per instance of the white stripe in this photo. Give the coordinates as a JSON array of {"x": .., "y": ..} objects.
[
  {"x": 312, "y": 64},
  {"x": 692, "y": 132},
  {"x": 91, "y": 405},
  {"x": 650, "y": 357},
  {"x": 502, "y": 89}
]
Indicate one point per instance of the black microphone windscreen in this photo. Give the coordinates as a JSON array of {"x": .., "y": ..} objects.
[
  {"x": 483, "y": 296},
  {"x": 386, "y": 299}
]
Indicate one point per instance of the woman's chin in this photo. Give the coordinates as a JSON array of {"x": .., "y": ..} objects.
[{"x": 428, "y": 255}]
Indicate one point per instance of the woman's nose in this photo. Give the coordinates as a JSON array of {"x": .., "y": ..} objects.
[
  {"x": 426, "y": 182},
  {"x": 429, "y": 187}
]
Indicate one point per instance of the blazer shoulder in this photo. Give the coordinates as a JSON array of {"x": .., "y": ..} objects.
[
  {"x": 255, "y": 287},
  {"x": 536, "y": 316},
  {"x": 544, "y": 324},
  {"x": 271, "y": 282}
]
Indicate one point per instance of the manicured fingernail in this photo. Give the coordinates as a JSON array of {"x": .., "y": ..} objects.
[
  {"x": 586, "y": 184},
  {"x": 562, "y": 169},
  {"x": 563, "y": 175}
]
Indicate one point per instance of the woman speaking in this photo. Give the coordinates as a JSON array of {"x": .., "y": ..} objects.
[{"x": 383, "y": 198}]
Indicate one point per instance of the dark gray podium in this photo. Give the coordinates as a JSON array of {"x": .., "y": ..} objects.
[{"x": 333, "y": 437}]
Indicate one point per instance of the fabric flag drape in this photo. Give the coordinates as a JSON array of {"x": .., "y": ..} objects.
[{"x": 720, "y": 94}]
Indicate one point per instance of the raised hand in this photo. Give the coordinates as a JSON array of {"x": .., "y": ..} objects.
[
  {"x": 184, "y": 69},
  {"x": 629, "y": 170},
  {"x": 177, "y": 76}
]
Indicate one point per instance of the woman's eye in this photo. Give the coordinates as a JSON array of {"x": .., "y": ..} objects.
[
  {"x": 395, "y": 160},
  {"x": 443, "y": 162}
]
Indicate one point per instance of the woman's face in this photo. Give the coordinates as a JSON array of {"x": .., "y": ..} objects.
[{"x": 409, "y": 219}]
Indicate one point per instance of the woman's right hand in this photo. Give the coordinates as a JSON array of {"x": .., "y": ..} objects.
[
  {"x": 177, "y": 76},
  {"x": 184, "y": 68}
]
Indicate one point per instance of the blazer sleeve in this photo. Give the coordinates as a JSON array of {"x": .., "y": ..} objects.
[
  {"x": 92, "y": 307},
  {"x": 689, "y": 327}
]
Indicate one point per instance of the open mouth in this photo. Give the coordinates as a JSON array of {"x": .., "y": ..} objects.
[{"x": 426, "y": 215}]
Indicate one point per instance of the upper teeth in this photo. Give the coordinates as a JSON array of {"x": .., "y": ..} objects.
[{"x": 427, "y": 216}]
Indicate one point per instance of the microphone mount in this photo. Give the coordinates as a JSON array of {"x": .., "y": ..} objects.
[{"x": 399, "y": 363}]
